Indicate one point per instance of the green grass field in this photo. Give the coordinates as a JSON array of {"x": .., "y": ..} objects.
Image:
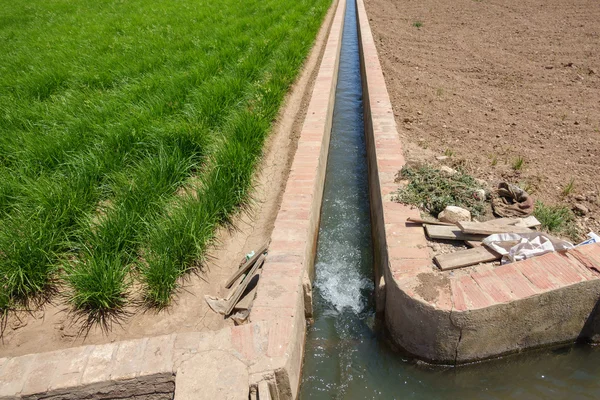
[{"x": 108, "y": 111}]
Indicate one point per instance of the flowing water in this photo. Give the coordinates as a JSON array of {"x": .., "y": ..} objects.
[{"x": 346, "y": 357}]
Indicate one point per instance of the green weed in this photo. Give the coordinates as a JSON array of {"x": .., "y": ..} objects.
[
  {"x": 418, "y": 24},
  {"x": 556, "y": 219},
  {"x": 569, "y": 187},
  {"x": 518, "y": 163},
  {"x": 432, "y": 190}
]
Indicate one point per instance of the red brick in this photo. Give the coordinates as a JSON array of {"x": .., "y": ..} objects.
[
  {"x": 518, "y": 284},
  {"x": 559, "y": 267},
  {"x": 400, "y": 252},
  {"x": 242, "y": 339},
  {"x": 537, "y": 276},
  {"x": 473, "y": 293},
  {"x": 458, "y": 296},
  {"x": 492, "y": 285}
]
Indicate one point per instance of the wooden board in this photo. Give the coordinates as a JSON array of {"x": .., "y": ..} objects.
[
  {"x": 472, "y": 243},
  {"x": 450, "y": 233},
  {"x": 464, "y": 258},
  {"x": 245, "y": 267},
  {"x": 240, "y": 289},
  {"x": 422, "y": 222},
  {"x": 529, "y": 222},
  {"x": 484, "y": 228}
]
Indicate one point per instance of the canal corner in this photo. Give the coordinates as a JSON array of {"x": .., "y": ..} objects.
[{"x": 448, "y": 318}]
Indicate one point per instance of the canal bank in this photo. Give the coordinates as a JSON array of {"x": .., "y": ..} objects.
[{"x": 348, "y": 354}]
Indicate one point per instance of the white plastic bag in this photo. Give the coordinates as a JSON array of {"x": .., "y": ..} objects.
[{"x": 520, "y": 246}]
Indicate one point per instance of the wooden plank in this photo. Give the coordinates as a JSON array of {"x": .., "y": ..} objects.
[
  {"x": 472, "y": 243},
  {"x": 529, "y": 222},
  {"x": 464, "y": 258},
  {"x": 450, "y": 233},
  {"x": 422, "y": 222},
  {"x": 503, "y": 221},
  {"x": 245, "y": 267},
  {"x": 484, "y": 228},
  {"x": 240, "y": 290}
]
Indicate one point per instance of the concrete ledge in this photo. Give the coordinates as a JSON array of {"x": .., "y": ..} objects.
[{"x": 463, "y": 315}]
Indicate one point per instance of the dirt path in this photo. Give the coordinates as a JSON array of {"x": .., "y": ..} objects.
[
  {"x": 489, "y": 81},
  {"x": 53, "y": 328}
]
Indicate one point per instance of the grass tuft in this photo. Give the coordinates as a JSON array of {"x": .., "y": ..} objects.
[
  {"x": 518, "y": 163},
  {"x": 569, "y": 187},
  {"x": 556, "y": 219},
  {"x": 418, "y": 24}
]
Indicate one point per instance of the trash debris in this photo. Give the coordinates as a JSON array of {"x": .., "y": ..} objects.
[
  {"x": 593, "y": 238},
  {"x": 512, "y": 201},
  {"x": 520, "y": 246}
]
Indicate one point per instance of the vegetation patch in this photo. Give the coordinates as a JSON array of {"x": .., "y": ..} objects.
[
  {"x": 432, "y": 190},
  {"x": 558, "y": 219},
  {"x": 108, "y": 109}
]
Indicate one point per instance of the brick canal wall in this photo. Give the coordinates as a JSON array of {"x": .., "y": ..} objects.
[{"x": 458, "y": 316}]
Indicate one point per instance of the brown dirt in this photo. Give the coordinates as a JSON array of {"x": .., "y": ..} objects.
[
  {"x": 488, "y": 81},
  {"x": 51, "y": 327},
  {"x": 432, "y": 285}
]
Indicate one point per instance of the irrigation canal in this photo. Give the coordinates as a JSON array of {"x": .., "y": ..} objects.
[{"x": 346, "y": 356}]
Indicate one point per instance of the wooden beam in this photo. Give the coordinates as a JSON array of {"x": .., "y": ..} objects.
[
  {"x": 529, "y": 222},
  {"x": 472, "y": 243},
  {"x": 240, "y": 289},
  {"x": 464, "y": 258},
  {"x": 450, "y": 233},
  {"x": 484, "y": 228},
  {"x": 245, "y": 267},
  {"x": 422, "y": 222}
]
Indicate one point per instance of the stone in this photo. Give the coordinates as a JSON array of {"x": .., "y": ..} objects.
[
  {"x": 441, "y": 158},
  {"x": 453, "y": 214},
  {"x": 447, "y": 170},
  {"x": 580, "y": 209},
  {"x": 479, "y": 194},
  {"x": 215, "y": 374}
]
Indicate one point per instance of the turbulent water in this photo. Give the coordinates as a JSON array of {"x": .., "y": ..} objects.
[{"x": 345, "y": 356}]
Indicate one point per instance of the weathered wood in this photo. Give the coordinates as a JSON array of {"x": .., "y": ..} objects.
[
  {"x": 450, "y": 233},
  {"x": 464, "y": 258},
  {"x": 242, "y": 287},
  {"x": 422, "y": 222},
  {"x": 484, "y": 228},
  {"x": 529, "y": 222},
  {"x": 245, "y": 267},
  {"x": 473, "y": 243}
]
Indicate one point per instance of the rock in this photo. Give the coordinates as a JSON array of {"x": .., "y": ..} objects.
[
  {"x": 580, "y": 209},
  {"x": 448, "y": 170},
  {"x": 479, "y": 194},
  {"x": 453, "y": 214},
  {"x": 408, "y": 120},
  {"x": 441, "y": 158},
  {"x": 579, "y": 197}
]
